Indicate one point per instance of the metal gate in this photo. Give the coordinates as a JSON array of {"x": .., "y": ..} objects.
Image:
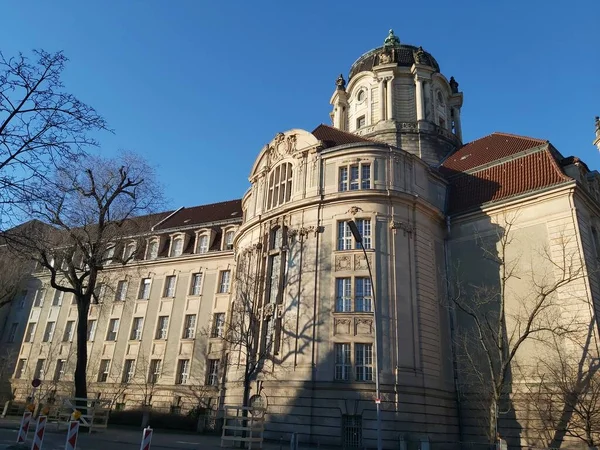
[{"x": 351, "y": 431}]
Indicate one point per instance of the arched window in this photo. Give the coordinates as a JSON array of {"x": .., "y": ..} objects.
[
  {"x": 228, "y": 245},
  {"x": 202, "y": 246},
  {"x": 280, "y": 185},
  {"x": 153, "y": 250}
]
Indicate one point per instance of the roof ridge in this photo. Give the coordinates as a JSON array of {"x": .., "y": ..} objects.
[
  {"x": 502, "y": 133},
  {"x": 210, "y": 204}
]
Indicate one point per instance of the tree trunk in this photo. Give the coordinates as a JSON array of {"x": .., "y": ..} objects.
[{"x": 83, "y": 308}]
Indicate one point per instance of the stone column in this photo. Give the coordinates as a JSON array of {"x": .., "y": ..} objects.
[
  {"x": 420, "y": 99},
  {"x": 457, "y": 127},
  {"x": 390, "y": 98},
  {"x": 382, "y": 99}
]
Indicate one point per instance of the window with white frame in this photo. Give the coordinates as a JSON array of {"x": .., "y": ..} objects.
[
  {"x": 361, "y": 121},
  {"x": 38, "y": 300},
  {"x": 49, "y": 332},
  {"x": 99, "y": 292},
  {"x": 363, "y": 362},
  {"x": 154, "y": 371},
  {"x": 346, "y": 240},
  {"x": 196, "y": 285},
  {"x": 20, "y": 368},
  {"x": 128, "y": 371},
  {"x": 12, "y": 333},
  {"x": 59, "y": 371},
  {"x": 218, "y": 327},
  {"x": 169, "y": 286},
  {"x": 224, "y": 281},
  {"x": 280, "y": 185},
  {"x": 69, "y": 331},
  {"x": 354, "y": 177},
  {"x": 153, "y": 249},
  {"x": 202, "y": 246},
  {"x": 212, "y": 374},
  {"x": 103, "y": 370},
  {"x": 121, "y": 292},
  {"x": 189, "y": 326},
  {"x": 228, "y": 241},
  {"x": 183, "y": 371},
  {"x": 343, "y": 363},
  {"x": 136, "y": 329},
  {"x": 113, "y": 329},
  {"x": 177, "y": 246},
  {"x": 359, "y": 299},
  {"x": 91, "y": 329},
  {"x": 162, "y": 327},
  {"x": 30, "y": 332},
  {"x": 144, "y": 292},
  {"x": 58, "y": 298},
  {"x": 40, "y": 369}
]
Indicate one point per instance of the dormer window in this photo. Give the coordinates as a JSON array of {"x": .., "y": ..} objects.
[
  {"x": 228, "y": 242},
  {"x": 202, "y": 246},
  {"x": 129, "y": 254},
  {"x": 177, "y": 247},
  {"x": 280, "y": 185},
  {"x": 153, "y": 250}
]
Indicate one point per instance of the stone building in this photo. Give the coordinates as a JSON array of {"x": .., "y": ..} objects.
[{"x": 393, "y": 163}]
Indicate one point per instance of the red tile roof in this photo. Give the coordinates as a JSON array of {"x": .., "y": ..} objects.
[
  {"x": 528, "y": 173},
  {"x": 214, "y": 212},
  {"x": 333, "y": 137},
  {"x": 487, "y": 150}
]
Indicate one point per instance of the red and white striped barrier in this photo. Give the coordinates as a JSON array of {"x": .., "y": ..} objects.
[
  {"x": 72, "y": 433},
  {"x": 22, "y": 436},
  {"x": 38, "y": 437},
  {"x": 146, "y": 438}
]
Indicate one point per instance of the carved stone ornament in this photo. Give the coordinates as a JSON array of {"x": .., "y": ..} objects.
[
  {"x": 268, "y": 311},
  {"x": 340, "y": 83},
  {"x": 341, "y": 325},
  {"x": 354, "y": 210},
  {"x": 281, "y": 147},
  {"x": 360, "y": 263},
  {"x": 363, "y": 325},
  {"x": 343, "y": 262},
  {"x": 421, "y": 57},
  {"x": 406, "y": 227},
  {"x": 453, "y": 85}
]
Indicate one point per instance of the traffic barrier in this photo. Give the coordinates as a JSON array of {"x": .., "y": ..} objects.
[
  {"x": 146, "y": 438},
  {"x": 72, "y": 433},
  {"x": 38, "y": 437},
  {"x": 22, "y": 436}
]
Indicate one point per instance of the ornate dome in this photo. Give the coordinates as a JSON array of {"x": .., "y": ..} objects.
[{"x": 393, "y": 52}]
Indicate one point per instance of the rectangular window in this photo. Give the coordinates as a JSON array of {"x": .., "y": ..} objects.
[
  {"x": 346, "y": 240},
  {"x": 153, "y": 250},
  {"x": 363, "y": 362},
  {"x": 183, "y": 370},
  {"x": 58, "y": 298},
  {"x": 196, "y": 287},
  {"x": 224, "y": 281},
  {"x": 121, "y": 293},
  {"x": 218, "y": 327},
  {"x": 49, "y": 332},
  {"x": 342, "y": 362},
  {"x": 39, "y": 297},
  {"x": 363, "y": 295},
  {"x": 69, "y": 329},
  {"x": 169, "y": 286},
  {"x": 354, "y": 177},
  {"x": 177, "y": 247},
  {"x": 162, "y": 327},
  {"x": 39, "y": 369},
  {"x": 365, "y": 176},
  {"x": 189, "y": 327},
  {"x": 113, "y": 329},
  {"x": 228, "y": 240},
  {"x": 91, "y": 330},
  {"x": 212, "y": 374},
  {"x": 144, "y": 293},
  {"x": 103, "y": 371},
  {"x": 99, "y": 292},
  {"x": 343, "y": 179},
  {"x": 361, "y": 122},
  {"x": 154, "y": 371},
  {"x": 20, "y": 368},
  {"x": 343, "y": 295},
  {"x": 12, "y": 333},
  {"x": 136, "y": 329},
  {"x": 22, "y": 298},
  {"x": 202, "y": 244},
  {"x": 60, "y": 369},
  {"x": 128, "y": 371},
  {"x": 30, "y": 332}
]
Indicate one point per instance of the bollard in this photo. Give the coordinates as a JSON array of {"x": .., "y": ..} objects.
[
  {"x": 72, "y": 432},
  {"x": 38, "y": 437},
  {"x": 22, "y": 436},
  {"x": 146, "y": 438}
]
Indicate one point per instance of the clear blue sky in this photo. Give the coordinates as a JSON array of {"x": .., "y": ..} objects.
[{"x": 200, "y": 87}]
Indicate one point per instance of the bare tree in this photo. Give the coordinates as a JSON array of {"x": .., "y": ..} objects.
[
  {"x": 502, "y": 314},
  {"x": 13, "y": 271},
  {"x": 93, "y": 212},
  {"x": 41, "y": 125}
]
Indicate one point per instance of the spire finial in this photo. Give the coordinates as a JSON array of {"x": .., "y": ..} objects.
[
  {"x": 391, "y": 40},
  {"x": 340, "y": 83}
]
